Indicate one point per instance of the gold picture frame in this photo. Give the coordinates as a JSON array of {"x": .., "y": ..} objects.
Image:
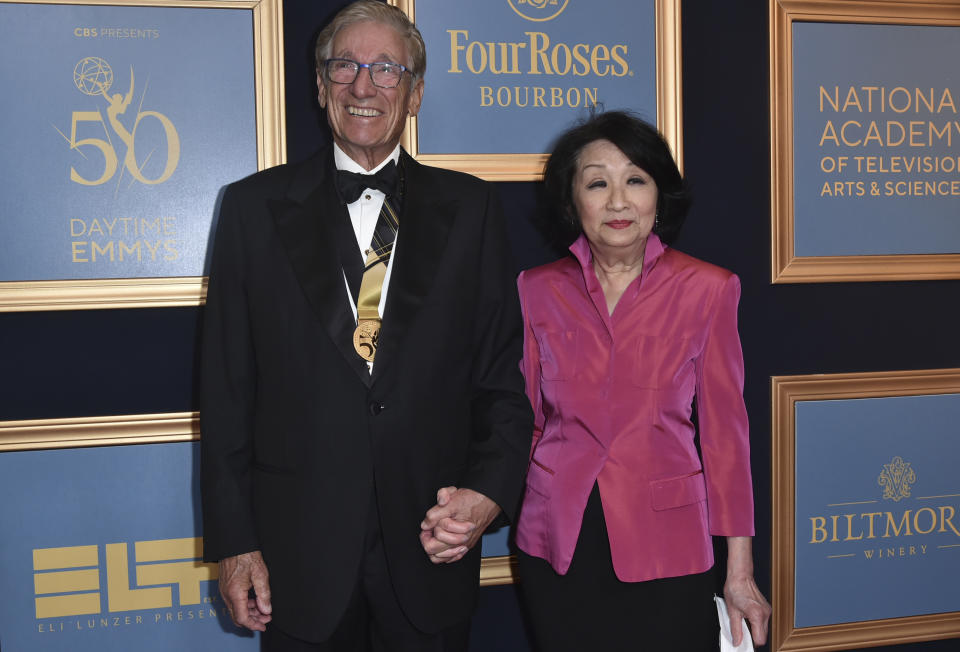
[
  {"x": 786, "y": 266},
  {"x": 786, "y": 392},
  {"x": 529, "y": 167},
  {"x": 496, "y": 571},
  {"x": 83, "y": 432},
  {"x": 153, "y": 292}
]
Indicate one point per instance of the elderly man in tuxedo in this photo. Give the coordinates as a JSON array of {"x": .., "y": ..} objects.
[{"x": 363, "y": 416}]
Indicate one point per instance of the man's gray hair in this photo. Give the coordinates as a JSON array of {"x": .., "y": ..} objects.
[{"x": 376, "y": 12}]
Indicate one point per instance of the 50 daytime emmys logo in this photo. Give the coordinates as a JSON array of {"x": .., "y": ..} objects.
[
  {"x": 538, "y": 10},
  {"x": 67, "y": 582},
  {"x": 157, "y": 161}
]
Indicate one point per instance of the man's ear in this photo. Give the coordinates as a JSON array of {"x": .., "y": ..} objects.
[{"x": 416, "y": 97}]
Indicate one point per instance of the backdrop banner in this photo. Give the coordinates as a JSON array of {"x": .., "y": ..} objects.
[
  {"x": 884, "y": 531},
  {"x": 101, "y": 551}
]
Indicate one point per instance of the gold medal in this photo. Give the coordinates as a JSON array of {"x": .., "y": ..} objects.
[{"x": 365, "y": 338}]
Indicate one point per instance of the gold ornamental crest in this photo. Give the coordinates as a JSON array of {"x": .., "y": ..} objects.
[
  {"x": 538, "y": 10},
  {"x": 896, "y": 478}
]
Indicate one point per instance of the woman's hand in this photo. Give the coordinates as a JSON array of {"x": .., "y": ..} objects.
[
  {"x": 744, "y": 599},
  {"x": 455, "y": 524}
]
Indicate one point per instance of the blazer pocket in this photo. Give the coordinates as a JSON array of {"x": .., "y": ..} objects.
[
  {"x": 670, "y": 493},
  {"x": 540, "y": 478},
  {"x": 559, "y": 351},
  {"x": 660, "y": 360}
]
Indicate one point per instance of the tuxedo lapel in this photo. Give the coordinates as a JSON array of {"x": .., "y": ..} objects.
[
  {"x": 425, "y": 223},
  {"x": 307, "y": 221}
]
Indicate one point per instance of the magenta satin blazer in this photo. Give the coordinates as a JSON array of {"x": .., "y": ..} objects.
[{"x": 612, "y": 398}]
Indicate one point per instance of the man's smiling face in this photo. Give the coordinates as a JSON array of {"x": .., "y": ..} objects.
[{"x": 367, "y": 120}]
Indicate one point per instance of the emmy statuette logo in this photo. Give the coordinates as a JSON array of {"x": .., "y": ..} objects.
[
  {"x": 538, "y": 11},
  {"x": 94, "y": 77}
]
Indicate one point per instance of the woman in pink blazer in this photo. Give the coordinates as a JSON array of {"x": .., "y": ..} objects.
[{"x": 621, "y": 338}]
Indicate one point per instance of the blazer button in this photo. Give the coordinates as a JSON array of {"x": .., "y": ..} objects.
[{"x": 376, "y": 408}]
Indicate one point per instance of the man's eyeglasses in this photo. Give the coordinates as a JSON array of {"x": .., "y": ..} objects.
[{"x": 383, "y": 74}]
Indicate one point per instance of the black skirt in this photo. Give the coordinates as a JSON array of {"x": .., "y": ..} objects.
[{"x": 590, "y": 609}]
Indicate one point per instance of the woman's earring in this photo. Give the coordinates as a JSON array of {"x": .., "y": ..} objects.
[{"x": 656, "y": 221}]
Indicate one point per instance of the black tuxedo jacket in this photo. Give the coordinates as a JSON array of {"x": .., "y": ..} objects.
[{"x": 298, "y": 437}]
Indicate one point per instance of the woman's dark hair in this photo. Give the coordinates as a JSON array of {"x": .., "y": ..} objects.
[{"x": 642, "y": 144}]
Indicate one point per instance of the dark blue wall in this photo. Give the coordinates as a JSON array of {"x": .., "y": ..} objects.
[{"x": 102, "y": 362}]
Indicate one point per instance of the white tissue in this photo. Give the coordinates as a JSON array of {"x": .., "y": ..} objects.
[{"x": 726, "y": 638}]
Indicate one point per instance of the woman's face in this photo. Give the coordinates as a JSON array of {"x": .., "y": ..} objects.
[{"x": 615, "y": 200}]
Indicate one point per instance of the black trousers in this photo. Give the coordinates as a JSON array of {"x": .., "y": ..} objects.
[
  {"x": 374, "y": 620},
  {"x": 590, "y": 609}
]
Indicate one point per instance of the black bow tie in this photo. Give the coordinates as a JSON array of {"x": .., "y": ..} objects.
[{"x": 351, "y": 185}]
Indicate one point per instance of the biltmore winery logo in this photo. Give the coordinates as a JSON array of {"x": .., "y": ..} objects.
[{"x": 897, "y": 524}]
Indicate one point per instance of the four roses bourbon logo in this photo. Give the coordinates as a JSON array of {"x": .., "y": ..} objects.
[{"x": 538, "y": 10}]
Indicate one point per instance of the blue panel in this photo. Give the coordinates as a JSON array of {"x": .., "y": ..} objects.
[
  {"x": 495, "y": 543},
  {"x": 105, "y": 501},
  {"x": 132, "y": 88},
  {"x": 877, "y": 508},
  {"x": 498, "y": 82},
  {"x": 883, "y": 135}
]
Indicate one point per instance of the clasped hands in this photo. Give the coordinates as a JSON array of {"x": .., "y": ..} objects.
[
  {"x": 449, "y": 529},
  {"x": 455, "y": 524}
]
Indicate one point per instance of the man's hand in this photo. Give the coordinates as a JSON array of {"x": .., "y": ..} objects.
[
  {"x": 237, "y": 576},
  {"x": 454, "y": 525}
]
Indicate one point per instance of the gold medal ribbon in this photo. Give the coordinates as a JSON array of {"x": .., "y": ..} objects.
[{"x": 367, "y": 333}]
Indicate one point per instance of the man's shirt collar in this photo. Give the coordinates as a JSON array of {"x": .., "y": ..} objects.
[{"x": 344, "y": 162}]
